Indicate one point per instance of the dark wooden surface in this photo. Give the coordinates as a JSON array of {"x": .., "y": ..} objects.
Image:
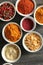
[{"x": 26, "y": 58}]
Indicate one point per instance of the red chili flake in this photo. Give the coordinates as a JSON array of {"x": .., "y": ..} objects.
[{"x": 6, "y": 11}]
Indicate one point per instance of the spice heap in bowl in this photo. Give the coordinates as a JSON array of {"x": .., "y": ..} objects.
[
  {"x": 25, "y": 7},
  {"x": 11, "y": 53},
  {"x": 12, "y": 32},
  {"x": 28, "y": 24},
  {"x": 7, "y": 11},
  {"x": 32, "y": 42},
  {"x": 38, "y": 15}
]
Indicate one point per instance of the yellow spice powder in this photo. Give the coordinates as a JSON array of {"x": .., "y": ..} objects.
[{"x": 39, "y": 15}]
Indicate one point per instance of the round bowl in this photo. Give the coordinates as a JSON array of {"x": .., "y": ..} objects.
[
  {"x": 35, "y": 13},
  {"x": 25, "y": 14},
  {"x": 4, "y": 57},
  {"x": 31, "y": 18},
  {"x": 26, "y": 48},
  {"x": 14, "y": 10},
  {"x": 7, "y": 63},
  {"x": 4, "y": 34}
]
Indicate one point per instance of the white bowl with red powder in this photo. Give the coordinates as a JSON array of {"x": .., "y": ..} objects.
[
  {"x": 25, "y": 7},
  {"x": 28, "y": 24},
  {"x": 7, "y": 11}
]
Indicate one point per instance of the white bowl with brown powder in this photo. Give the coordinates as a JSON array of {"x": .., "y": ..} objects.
[{"x": 11, "y": 53}]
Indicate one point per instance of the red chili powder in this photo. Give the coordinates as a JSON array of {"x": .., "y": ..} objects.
[
  {"x": 27, "y": 24},
  {"x": 25, "y": 6}
]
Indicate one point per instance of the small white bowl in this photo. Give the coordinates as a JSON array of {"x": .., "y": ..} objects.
[
  {"x": 4, "y": 34},
  {"x": 13, "y": 7},
  {"x": 31, "y": 18},
  {"x": 4, "y": 57},
  {"x": 16, "y": 5},
  {"x": 26, "y": 48},
  {"x": 35, "y": 13},
  {"x": 7, "y": 63}
]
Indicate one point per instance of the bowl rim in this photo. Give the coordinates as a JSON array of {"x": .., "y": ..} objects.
[
  {"x": 7, "y": 63},
  {"x": 3, "y": 53},
  {"x": 13, "y": 7},
  {"x": 3, "y": 35},
  {"x": 33, "y": 23},
  {"x": 25, "y": 14},
  {"x": 25, "y": 47},
  {"x": 35, "y": 13}
]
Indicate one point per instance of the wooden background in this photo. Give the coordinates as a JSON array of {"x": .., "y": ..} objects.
[{"x": 26, "y": 58}]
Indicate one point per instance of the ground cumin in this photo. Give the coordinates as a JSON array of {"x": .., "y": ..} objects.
[
  {"x": 39, "y": 15},
  {"x": 25, "y": 6},
  {"x": 12, "y": 32}
]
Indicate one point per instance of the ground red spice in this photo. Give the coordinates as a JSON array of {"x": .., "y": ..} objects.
[
  {"x": 25, "y": 6},
  {"x": 27, "y": 24}
]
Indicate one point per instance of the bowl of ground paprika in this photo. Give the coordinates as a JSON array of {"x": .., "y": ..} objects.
[
  {"x": 28, "y": 24},
  {"x": 25, "y": 7}
]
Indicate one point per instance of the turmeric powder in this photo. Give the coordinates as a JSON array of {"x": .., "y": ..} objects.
[
  {"x": 39, "y": 15},
  {"x": 12, "y": 32}
]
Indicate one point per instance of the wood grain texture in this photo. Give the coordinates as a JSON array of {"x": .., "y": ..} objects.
[{"x": 26, "y": 58}]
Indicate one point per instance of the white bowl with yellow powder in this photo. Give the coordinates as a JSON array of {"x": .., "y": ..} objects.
[
  {"x": 38, "y": 15},
  {"x": 11, "y": 53},
  {"x": 12, "y": 32}
]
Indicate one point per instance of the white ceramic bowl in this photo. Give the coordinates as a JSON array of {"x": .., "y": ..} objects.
[
  {"x": 16, "y": 5},
  {"x": 13, "y": 7},
  {"x": 7, "y": 63},
  {"x": 4, "y": 57},
  {"x": 35, "y": 13},
  {"x": 4, "y": 34},
  {"x": 26, "y": 48},
  {"x": 31, "y": 18}
]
